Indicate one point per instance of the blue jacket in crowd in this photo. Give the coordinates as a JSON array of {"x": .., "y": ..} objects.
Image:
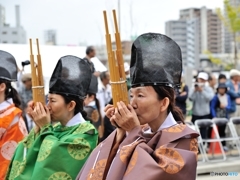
[
  {"x": 233, "y": 95},
  {"x": 215, "y": 103}
]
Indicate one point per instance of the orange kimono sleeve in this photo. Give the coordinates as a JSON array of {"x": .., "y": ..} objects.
[{"x": 12, "y": 130}]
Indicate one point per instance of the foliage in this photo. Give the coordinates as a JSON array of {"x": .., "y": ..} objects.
[
  {"x": 214, "y": 60},
  {"x": 231, "y": 21}
]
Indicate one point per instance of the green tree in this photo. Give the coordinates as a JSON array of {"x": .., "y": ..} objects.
[
  {"x": 232, "y": 22},
  {"x": 227, "y": 64},
  {"x": 214, "y": 60}
]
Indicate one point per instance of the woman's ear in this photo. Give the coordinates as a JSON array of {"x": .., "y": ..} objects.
[
  {"x": 92, "y": 98},
  {"x": 2, "y": 87},
  {"x": 71, "y": 106},
  {"x": 165, "y": 103}
]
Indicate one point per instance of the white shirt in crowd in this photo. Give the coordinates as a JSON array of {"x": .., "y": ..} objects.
[{"x": 104, "y": 95}]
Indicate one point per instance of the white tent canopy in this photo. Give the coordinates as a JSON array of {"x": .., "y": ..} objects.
[{"x": 49, "y": 54}]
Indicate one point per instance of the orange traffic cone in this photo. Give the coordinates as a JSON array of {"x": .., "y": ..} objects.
[{"x": 214, "y": 147}]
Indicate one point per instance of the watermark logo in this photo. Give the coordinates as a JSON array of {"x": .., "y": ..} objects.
[{"x": 223, "y": 173}]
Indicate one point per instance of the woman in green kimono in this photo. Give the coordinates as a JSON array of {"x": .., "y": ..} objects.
[{"x": 58, "y": 152}]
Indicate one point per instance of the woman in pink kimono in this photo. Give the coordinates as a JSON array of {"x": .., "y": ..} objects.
[{"x": 152, "y": 141}]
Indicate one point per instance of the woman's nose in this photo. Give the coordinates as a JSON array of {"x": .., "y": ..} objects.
[{"x": 133, "y": 103}]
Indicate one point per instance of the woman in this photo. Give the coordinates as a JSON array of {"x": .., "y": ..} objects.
[
  {"x": 92, "y": 107},
  {"x": 58, "y": 152},
  {"x": 220, "y": 107},
  {"x": 149, "y": 144},
  {"x": 12, "y": 127}
]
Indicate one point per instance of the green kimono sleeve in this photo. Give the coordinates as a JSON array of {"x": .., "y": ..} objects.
[{"x": 56, "y": 153}]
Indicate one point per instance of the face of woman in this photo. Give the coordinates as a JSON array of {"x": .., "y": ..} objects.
[
  {"x": 221, "y": 91},
  {"x": 57, "y": 107},
  {"x": 145, "y": 103}
]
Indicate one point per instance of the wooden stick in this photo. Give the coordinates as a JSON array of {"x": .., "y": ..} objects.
[
  {"x": 115, "y": 60},
  {"x": 33, "y": 72},
  {"x": 37, "y": 76},
  {"x": 123, "y": 88},
  {"x": 40, "y": 90}
]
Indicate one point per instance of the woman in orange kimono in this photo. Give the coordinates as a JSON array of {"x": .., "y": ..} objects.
[
  {"x": 12, "y": 126},
  {"x": 152, "y": 141}
]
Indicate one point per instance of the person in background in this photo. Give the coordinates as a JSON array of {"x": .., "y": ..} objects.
[
  {"x": 104, "y": 94},
  {"x": 19, "y": 83},
  {"x": 12, "y": 126},
  {"x": 201, "y": 95},
  {"x": 127, "y": 73},
  {"x": 222, "y": 78},
  {"x": 92, "y": 107},
  {"x": 26, "y": 91},
  {"x": 212, "y": 81},
  {"x": 181, "y": 98},
  {"x": 108, "y": 127},
  {"x": 91, "y": 53},
  {"x": 220, "y": 106},
  {"x": 59, "y": 151},
  {"x": 26, "y": 96},
  {"x": 234, "y": 92}
]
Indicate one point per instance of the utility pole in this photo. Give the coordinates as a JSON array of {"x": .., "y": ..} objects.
[{"x": 119, "y": 16}]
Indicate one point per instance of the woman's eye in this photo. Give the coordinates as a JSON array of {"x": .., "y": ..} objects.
[
  {"x": 140, "y": 95},
  {"x": 131, "y": 96}
]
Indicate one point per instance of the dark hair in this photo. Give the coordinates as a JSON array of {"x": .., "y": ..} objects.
[
  {"x": 96, "y": 101},
  {"x": 79, "y": 104},
  {"x": 89, "y": 50},
  {"x": 103, "y": 75},
  {"x": 222, "y": 76},
  {"x": 210, "y": 78},
  {"x": 11, "y": 92},
  {"x": 169, "y": 92}
]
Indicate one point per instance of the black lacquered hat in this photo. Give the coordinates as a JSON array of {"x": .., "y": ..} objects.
[
  {"x": 71, "y": 77},
  {"x": 8, "y": 66},
  {"x": 156, "y": 60}
]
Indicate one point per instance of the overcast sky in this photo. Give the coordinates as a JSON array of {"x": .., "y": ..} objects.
[{"x": 81, "y": 21}]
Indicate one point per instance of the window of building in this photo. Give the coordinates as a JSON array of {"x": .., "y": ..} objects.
[
  {"x": 4, "y": 32},
  {"x": 15, "y": 42},
  {"x": 5, "y": 42},
  {"x": 14, "y": 32}
]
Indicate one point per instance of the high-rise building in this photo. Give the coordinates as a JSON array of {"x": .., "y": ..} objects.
[
  {"x": 196, "y": 31},
  {"x": 182, "y": 31},
  {"x": 50, "y": 37},
  {"x": 8, "y": 34}
]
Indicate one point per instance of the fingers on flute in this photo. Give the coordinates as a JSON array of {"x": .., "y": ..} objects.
[
  {"x": 113, "y": 122},
  {"x": 43, "y": 111},
  {"x": 122, "y": 108},
  {"x": 46, "y": 109},
  {"x": 110, "y": 112},
  {"x": 109, "y": 106},
  {"x": 130, "y": 108}
]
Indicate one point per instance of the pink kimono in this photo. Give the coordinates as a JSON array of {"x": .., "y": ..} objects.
[{"x": 170, "y": 153}]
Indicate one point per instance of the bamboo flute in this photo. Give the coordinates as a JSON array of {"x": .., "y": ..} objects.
[
  {"x": 37, "y": 76},
  {"x": 33, "y": 71},
  {"x": 40, "y": 88},
  {"x": 123, "y": 90},
  {"x": 116, "y": 67}
]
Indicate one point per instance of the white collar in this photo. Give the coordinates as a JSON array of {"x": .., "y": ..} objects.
[
  {"x": 102, "y": 87},
  {"x": 77, "y": 119},
  {"x": 93, "y": 103},
  {"x": 169, "y": 121},
  {"x": 6, "y": 103}
]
